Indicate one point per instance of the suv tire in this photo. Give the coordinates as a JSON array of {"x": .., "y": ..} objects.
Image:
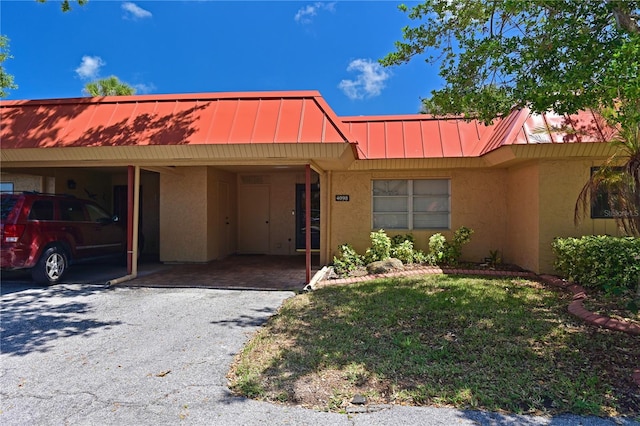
[{"x": 50, "y": 267}]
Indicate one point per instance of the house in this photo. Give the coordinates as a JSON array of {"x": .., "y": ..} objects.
[{"x": 223, "y": 173}]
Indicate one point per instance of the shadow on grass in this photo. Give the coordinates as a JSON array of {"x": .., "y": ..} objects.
[{"x": 496, "y": 344}]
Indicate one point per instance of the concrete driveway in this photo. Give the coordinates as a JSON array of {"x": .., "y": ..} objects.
[{"x": 82, "y": 354}]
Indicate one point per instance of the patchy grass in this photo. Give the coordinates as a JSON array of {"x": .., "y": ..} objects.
[{"x": 505, "y": 345}]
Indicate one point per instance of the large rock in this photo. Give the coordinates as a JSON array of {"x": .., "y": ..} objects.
[{"x": 383, "y": 266}]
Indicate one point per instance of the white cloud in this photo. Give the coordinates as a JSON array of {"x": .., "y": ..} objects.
[
  {"x": 369, "y": 82},
  {"x": 143, "y": 88},
  {"x": 304, "y": 15},
  {"x": 90, "y": 67},
  {"x": 134, "y": 11}
]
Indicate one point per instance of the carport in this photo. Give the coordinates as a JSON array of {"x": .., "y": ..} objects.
[{"x": 220, "y": 161}]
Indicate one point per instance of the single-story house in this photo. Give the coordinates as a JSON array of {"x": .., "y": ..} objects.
[{"x": 224, "y": 173}]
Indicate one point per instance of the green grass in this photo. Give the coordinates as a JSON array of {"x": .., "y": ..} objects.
[{"x": 495, "y": 344}]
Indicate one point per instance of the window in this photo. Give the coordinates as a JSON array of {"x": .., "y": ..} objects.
[
  {"x": 6, "y": 186},
  {"x": 96, "y": 214},
  {"x": 72, "y": 211},
  {"x": 411, "y": 204},
  {"x": 41, "y": 210},
  {"x": 600, "y": 204}
]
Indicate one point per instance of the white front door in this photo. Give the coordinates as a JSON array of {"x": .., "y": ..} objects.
[{"x": 253, "y": 219}]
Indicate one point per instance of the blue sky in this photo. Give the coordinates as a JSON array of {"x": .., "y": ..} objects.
[{"x": 217, "y": 46}]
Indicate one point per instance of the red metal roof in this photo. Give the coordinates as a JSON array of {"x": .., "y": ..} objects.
[
  {"x": 222, "y": 118},
  {"x": 423, "y": 136},
  {"x": 415, "y": 136},
  {"x": 275, "y": 118}
]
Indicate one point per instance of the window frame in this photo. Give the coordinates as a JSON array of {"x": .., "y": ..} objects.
[
  {"x": 411, "y": 197},
  {"x": 599, "y": 202}
]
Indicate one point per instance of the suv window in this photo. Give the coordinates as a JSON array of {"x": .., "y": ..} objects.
[
  {"x": 72, "y": 211},
  {"x": 96, "y": 214},
  {"x": 6, "y": 205},
  {"x": 41, "y": 210}
]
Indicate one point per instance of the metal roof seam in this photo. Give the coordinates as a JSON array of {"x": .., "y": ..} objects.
[
  {"x": 459, "y": 138},
  {"x": 275, "y": 133},
  {"x": 301, "y": 120},
  {"x": 422, "y": 140},
  {"x": 546, "y": 125},
  {"x": 211, "y": 121},
  {"x": 233, "y": 120}
]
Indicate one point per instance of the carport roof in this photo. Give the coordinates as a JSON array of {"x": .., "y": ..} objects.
[{"x": 298, "y": 117}]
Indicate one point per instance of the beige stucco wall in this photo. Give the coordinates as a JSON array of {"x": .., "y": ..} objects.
[
  {"x": 477, "y": 202},
  {"x": 183, "y": 215},
  {"x": 560, "y": 185},
  {"x": 26, "y": 182},
  {"x": 190, "y": 219},
  {"x": 522, "y": 198}
]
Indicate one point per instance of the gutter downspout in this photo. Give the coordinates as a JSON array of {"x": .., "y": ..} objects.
[{"x": 133, "y": 184}]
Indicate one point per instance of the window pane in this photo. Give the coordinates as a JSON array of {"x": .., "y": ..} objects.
[
  {"x": 390, "y": 204},
  {"x": 430, "y": 221},
  {"x": 431, "y": 204},
  {"x": 431, "y": 187},
  {"x": 72, "y": 211},
  {"x": 41, "y": 210},
  {"x": 390, "y": 187},
  {"x": 390, "y": 221},
  {"x": 96, "y": 214}
]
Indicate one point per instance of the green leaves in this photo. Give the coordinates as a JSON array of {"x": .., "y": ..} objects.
[{"x": 564, "y": 55}]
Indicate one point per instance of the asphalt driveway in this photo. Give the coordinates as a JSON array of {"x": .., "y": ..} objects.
[{"x": 84, "y": 354}]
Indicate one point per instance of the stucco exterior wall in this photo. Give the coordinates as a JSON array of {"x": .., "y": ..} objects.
[
  {"x": 522, "y": 197},
  {"x": 560, "y": 185},
  {"x": 477, "y": 202},
  {"x": 183, "y": 215}
]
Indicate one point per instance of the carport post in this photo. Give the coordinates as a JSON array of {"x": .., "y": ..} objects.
[
  {"x": 133, "y": 207},
  {"x": 307, "y": 219}
]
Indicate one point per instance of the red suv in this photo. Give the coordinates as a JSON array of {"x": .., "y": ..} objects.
[{"x": 46, "y": 233}]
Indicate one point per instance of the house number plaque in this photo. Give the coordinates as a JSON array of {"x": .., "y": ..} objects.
[{"x": 342, "y": 197}]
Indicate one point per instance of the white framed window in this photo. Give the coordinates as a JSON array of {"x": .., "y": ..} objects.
[{"x": 411, "y": 204}]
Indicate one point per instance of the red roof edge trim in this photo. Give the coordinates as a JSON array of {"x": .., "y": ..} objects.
[{"x": 167, "y": 97}]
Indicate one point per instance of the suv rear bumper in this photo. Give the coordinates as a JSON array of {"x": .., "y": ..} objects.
[{"x": 15, "y": 258}]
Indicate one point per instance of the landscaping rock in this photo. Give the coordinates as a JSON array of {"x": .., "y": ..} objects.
[{"x": 384, "y": 266}]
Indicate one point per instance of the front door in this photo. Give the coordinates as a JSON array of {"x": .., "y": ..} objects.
[
  {"x": 224, "y": 220},
  {"x": 253, "y": 219}
]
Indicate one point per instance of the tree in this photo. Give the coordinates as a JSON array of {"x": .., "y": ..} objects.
[
  {"x": 65, "y": 5},
  {"x": 6, "y": 80},
  {"x": 110, "y": 86},
  {"x": 560, "y": 55}
]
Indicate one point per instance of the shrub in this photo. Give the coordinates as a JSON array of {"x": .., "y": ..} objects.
[
  {"x": 608, "y": 263},
  {"x": 403, "y": 251},
  {"x": 442, "y": 251},
  {"x": 348, "y": 261},
  {"x": 380, "y": 247}
]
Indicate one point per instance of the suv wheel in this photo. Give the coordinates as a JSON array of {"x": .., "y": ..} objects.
[{"x": 50, "y": 267}]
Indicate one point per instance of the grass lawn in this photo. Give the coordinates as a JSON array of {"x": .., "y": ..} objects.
[{"x": 506, "y": 345}]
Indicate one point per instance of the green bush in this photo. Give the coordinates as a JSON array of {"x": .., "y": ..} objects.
[
  {"x": 443, "y": 252},
  {"x": 380, "y": 247},
  {"x": 348, "y": 261},
  {"x": 403, "y": 251},
  {"x": 607, "y": 263}
]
